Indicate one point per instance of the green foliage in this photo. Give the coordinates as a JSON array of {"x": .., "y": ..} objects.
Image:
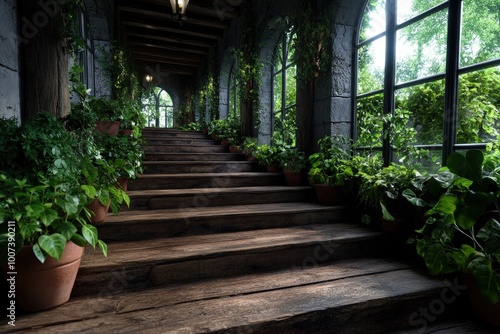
[
  {"x": 293, "y": 160},
  {"x": 9, "y": 143},
  {"x": 268, "y": 155},
  {"x": 330, "y": 165},
  {"x": 462, "y": 230},
  {"x": 47, "y": 216},
  {"x": 226, "y": 128},
  {"x": 312, "y": 41}
]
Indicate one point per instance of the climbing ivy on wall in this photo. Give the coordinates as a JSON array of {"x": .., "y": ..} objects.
[{"x": 313, "y": 35}]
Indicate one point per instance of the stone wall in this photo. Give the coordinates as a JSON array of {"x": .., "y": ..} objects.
[{"x": 9, "y": 62}]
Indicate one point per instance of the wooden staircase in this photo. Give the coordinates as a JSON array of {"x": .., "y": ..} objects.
[{"x": 213, "y": 245}]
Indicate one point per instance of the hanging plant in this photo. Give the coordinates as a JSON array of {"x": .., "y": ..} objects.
[{"x": 312, "y": 40}]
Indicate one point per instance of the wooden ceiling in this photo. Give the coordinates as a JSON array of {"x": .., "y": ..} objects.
[{"x": 161, "y": 45}]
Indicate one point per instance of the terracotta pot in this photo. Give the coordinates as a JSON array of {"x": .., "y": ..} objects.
[
  {"x": 42, "y": 286},
  {"x": 99, "y": 211},
  {"x": 273, "y": 169},
  {"x": 481, "y": 306},
  {"x": 250, "y": 157},
  {"x": 123, "y": 183},
  {"x": 224, "y": 142},
  {"x": 204, "y": 131},
  {"x": 234, "y": 149},
  {"x": 109, "y": 128},
  {"x": 294, "y": 178},
  {"x": 327, "y": 195},
  {"x": 126, "y": 132}
]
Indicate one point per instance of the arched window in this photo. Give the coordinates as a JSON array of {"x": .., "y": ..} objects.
[
  {"x": 428, "y": 77},
  {"x": 233, "y": 104},
  {"x": 284, "y": 93},
  {"x": 159, "y": 108}
]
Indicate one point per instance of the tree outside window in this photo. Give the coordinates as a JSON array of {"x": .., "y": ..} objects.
[
  {"x": 284, "y": 94},
  {"x": 158, "y": 108},
  {"x": 413, "y": 105},
  {"x": 234, "y": 93}
]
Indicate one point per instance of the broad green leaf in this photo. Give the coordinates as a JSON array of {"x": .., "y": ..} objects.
[
  {"x": 490, "y": 236},
  {"x": 385, "y": 213},
  {"x": 103, "y": 247},
  {"x": 53, "y": 245},
  {"x": 48, "y": 216},
  {"x": 468, "y": 166},
  {"x": 435, "y": 259},
  {"x": 67, "y": 230},
  {"x": 89, "y": 232},
  {"x": 90, "y": 191},
  {"x": 413, "y": 199},
  {"x": 38, "y": 253},
  {"x": 446, "y": 205},
  {"x": 489, "y": 282},
  {"x": 79, "y": 240}
]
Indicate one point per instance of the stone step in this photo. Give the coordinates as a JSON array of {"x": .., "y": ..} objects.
[
  {"x": 160, "y": 156},
  {"x": 356, "y": 296},
  {"x": 183, "y": 259},
  {"x": 173, "y": 134},
  {"x": 205, "y": 180},
  {"x": 185, "y": 167},
  {"x": 208, "y": 197},
  {"x": 152, "y": 149}
]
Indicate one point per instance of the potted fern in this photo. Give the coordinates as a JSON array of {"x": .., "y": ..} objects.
[{"x": 293, "y": 163}]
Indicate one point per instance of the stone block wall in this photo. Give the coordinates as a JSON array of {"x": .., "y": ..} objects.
[{"x": 9, "y": 61}]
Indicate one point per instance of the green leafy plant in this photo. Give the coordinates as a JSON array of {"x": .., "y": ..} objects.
[
  {"x": 293, "y": 160},
  {"x": 462, "y": 230},
  {"x": 330, "y": 165},
  {"x": 105, "y": 108},
  {"x": 268, "y": 155},
  {"x": 47, "y": 215}
]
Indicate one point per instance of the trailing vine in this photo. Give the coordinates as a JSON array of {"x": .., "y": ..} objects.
[{"x": 312, "y": 40}]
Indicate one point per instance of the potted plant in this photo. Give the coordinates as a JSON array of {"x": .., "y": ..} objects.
[
  {"x": 43, "y": 213},
  {"x": 249, "y": 146},
  {"x": 108, "y": 115},
  {"x": 131, "y": 117},
  {"x": 381, "y": 195},
  {"x": 269, "y": 157},
  {"x": 330, "y": 168},
  {"x": 293, "y": 163},
  {"x": 461, "y": 233}
]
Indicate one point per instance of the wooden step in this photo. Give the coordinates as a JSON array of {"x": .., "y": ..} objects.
[
  {"x": 185, "y": 149},
  {"x": 161, "y": 156},
  {"x": 198, "y": 218},
  {"x": 179, "y": 141},
  {"x": 184, "y": 259},
  {"x": 208, "y": 197},
  {"x": 171, "y": 134},
  {"x": 355, "y": 296},
  {"x": 205, "y": 180},
  {"x": 177, "y": 167}
]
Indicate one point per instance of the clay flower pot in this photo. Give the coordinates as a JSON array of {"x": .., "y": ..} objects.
[
  {"x": 99, "y": 211},
  {"x": 327, "y": 195},
  {"x": 109, "y": 128},
  {"x": 294, "y": 178},
  {"x": 42, "y": 286}
]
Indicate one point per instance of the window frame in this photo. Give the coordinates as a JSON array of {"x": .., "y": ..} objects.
[{"x": 451, "y": 75}]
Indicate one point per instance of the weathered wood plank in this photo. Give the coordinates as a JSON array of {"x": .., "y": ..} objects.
[
  {"x": 111, "y": 300},
  {"x": 351, "y": 305},
  {"x": 175, "y": 167}
]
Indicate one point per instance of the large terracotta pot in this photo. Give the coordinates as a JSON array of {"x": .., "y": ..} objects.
[
  {"x": 294, "y": 178},
  {"x": 123, "y": 183},
  {"x": 99, "y": 211},
  {"x": 273, "y": 169},
  {"x": 42, "y": 286},
  {"x": 109, "y": 128},
  {"x": 327, "y": 195},
  {"x": 483, "y": 309}
]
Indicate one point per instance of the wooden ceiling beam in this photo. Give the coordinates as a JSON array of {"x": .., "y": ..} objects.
[
  {"x": 168, "y": 47},
  {"x": 196, "y": 45},
  {"x": 171, "y": 30},
  {"x": 167, "y": 60},
  {"x": 162, "y": 70},
  {"x": 216, "y": 24}
]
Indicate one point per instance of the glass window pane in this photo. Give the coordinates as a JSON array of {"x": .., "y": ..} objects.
[
  {"x": 423, "y": 106},
  {"x": 408, "y": 9},
  {"x": 373, "y": 22},
  {"x": 278, "y": 91},
  {"x": 371, "y": 66},
  {"x": 291, "y": 86},
  {"x": 479, "y": 107},
  {"x": 480, "y": 31},
  {"x": 370, "y": 121},
  {"x": 421, "y": 48}
]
